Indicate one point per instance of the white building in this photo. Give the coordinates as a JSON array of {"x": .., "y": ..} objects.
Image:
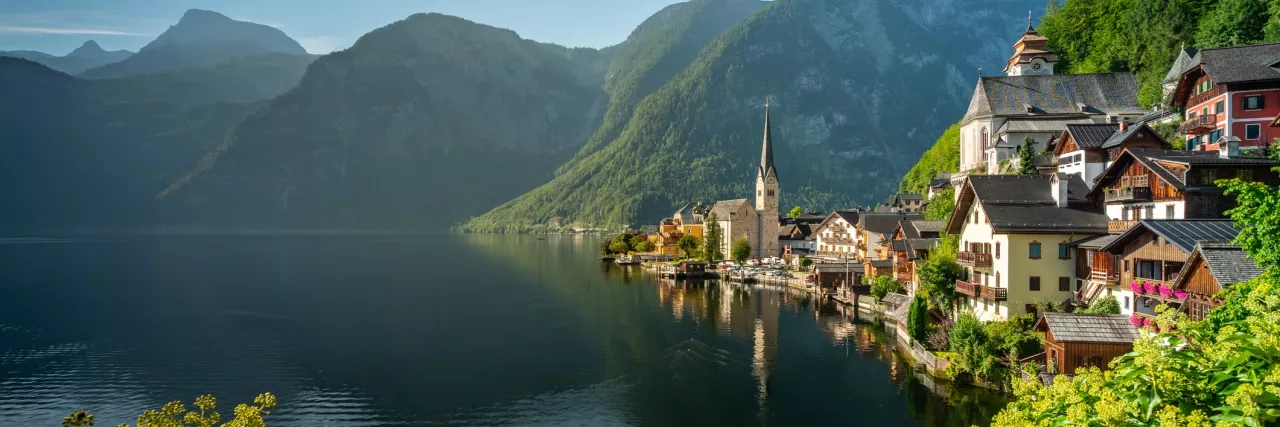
[{"x": 759, "y": 224}]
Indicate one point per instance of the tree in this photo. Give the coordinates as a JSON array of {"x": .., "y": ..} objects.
[
  {"x": 795, "y": 212},
  {"x": 1027, "y": 157},
  {"x": 1103, "y": 305},
  {"x": 741, "y": 250},
  {"x": 938, "y": 278},
  {"x": 636, "y": 241},
  {"x": 940, "y": 206},
  {"x": 175, "y": 414},
  {"x": 643, "y": 246},
  {"x": 1233, "y": 23},
  {"x": 1257, "y": 213},
  {"x": 806, "y": 262},
  {"x": 619, "y": 247},
  {"x": 918, "y": 319},
  {"x": 711, "y": 238},
  {"x": 688, "y": 245},
  {"x": 885, "y": 285}
]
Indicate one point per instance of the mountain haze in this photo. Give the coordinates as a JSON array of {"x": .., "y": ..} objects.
[{"x": 88, "y": 55}]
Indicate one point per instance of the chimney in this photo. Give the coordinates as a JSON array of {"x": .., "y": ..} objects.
[
  {"x": 1124, "y": 125},
  {"x": 1229, "y": 147},
  {"x": 1058, "y": 188}
]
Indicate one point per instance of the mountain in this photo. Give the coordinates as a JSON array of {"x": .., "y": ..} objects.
[
  {"x": 420, "y": 124},
  {"x": 200, "y": 38},
  {"x": 236, "y": 80},
  {"x": 89, "y": 55},
  {"x": 857, "y": 87}
]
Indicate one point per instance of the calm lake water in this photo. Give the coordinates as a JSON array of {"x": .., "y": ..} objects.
[{"x": 459, "y": 330}]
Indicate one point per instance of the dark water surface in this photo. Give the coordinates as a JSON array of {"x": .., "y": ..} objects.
[{"x": 460, "y": 330}]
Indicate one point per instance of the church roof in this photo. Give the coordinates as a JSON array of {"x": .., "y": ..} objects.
[
  {"x": 766, "y": 153},
  {"x": 723, "y": 208},
  {"x": 1055, "y": 94},
  {"x": 1180, "y": 65}
]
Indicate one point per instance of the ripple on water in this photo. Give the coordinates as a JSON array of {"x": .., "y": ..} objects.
[{"x": 596, "y": 405}]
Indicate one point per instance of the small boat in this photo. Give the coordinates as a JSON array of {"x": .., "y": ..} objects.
[
  {"x": 606, "y": 258},
  {"x": 627, "y": 260}
]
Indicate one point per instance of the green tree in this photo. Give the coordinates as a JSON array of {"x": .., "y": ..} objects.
[
  {"x": 885, "y": 285},
  {"x": 1103, "y": 305},
  {"x": 688, "y": 245},
  {"x": 1027, "y": 157},
  {"x": 175, "y": 414},
  {"x": 619, "y": 247},
  {"x": 741, "y": 250},
  {"x": 806, "y": 262},
  {"x": 938, "y": 275},
  {"x": 643, "y": 246},
  {"x": 636, "y": 241},
  {"x": 944, "y": 156},
  {"x": 795, "y": 212},
  {"x": 918, "y": 319},
  {"x": 1257, "y": 213},
  {"x": 941, "y": 205},
  {"x": 1233, "y": 23},
  {"x": 712, "y": 235}
]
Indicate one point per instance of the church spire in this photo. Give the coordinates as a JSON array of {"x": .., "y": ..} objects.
[
  {"x": 766, "y": 154},
  {"x": 1030, "y": 29}
]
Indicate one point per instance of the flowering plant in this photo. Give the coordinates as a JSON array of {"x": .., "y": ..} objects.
[
  {"x": 1137, "y": 289},
  {"x": 1135, "y": 320},
  {"x": 1149, "y": 287},
  {"x": 1166, "y": 291},
  {"x": 1180, "y": 294},
  {"x": 1146, "y": 321}
]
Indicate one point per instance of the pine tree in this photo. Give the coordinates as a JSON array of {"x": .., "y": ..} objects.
[
  {"x": 1027, "y": 157},
  {"x": 711, "y": 237}
]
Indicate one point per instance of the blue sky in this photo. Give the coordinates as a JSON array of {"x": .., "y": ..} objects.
[{"x": 58, "y": 26}]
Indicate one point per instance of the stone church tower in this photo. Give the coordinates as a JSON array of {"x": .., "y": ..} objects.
[{"x": 766, "y": 241}]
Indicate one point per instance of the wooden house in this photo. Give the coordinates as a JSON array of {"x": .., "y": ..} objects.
[
  {"x": 1087, "y": 149},
  {"x": 1153, "y": 253},
  {"x": 1073, "y": 341},
  {"x": 1211, "y": 268},
  {"x": 838, "y": 274},
  {"x": 1097, "y": 271}
]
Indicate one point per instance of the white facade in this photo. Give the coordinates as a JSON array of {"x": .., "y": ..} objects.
[
  {"x": 1147, "y": 210},
  {"x": 1075, "y": 163},
  {"x": 1037, "y": 67},
  {"x": 836, "y": 237}
]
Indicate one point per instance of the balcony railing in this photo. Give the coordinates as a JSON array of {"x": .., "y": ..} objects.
[
  {"x": 973, "y": 259},
  {"x": 902, "y": 276},
  {"x": 1199, "y": 123},
  {"x": 968, "y": 288},
  {"x": 978, "y": 291},
  {"x": 995, "y": 294},
  {"x": 1103, "y": 275},
  {"x": 1127, "y": 194},
  {"x": 1119, "y": 226}
]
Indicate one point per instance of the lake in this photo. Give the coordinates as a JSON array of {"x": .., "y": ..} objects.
[{"x": 448, "y": 329}]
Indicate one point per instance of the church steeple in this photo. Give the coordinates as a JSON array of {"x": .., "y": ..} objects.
[
  {"x": 1031, "y": 54},
  {"x": 766, "y": 154}
]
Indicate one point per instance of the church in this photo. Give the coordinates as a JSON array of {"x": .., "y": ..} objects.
[{"x": 758, "y": 223}]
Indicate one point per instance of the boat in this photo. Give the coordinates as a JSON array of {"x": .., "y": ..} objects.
[
  {"x": 607, "y": 258},
  {"x": 627, "y": 260}
]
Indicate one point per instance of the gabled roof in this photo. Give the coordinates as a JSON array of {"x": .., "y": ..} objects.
[
  {"x": 1227, "y": 262},
  {"x": 1152, "y": 158},
  {"x": 838, "y": 267},
  {"x": 1183, "y": 63},
  {"x": 1096, "y": 243},
  {"x": 1100, "y": 328},
  {"x": 723, "y": 208},
  {"x": 1183, "y": 233},
  {"x": 881, "y": 263},
  {"x": 920, "y": 245},
  {"x": 1055, "y": 94},
  {"x": 850, "y": 217},
  {"x": 898, "y": 245},
  {"x": 1024, "y": 204},
  {"x": 1240, "y": 63},
  {"x": 1091, "y": 135},
  {"x": 915, "y": 229},
  {"x": 1120, "y": 136},
  {"x": 884, "y": 223}
]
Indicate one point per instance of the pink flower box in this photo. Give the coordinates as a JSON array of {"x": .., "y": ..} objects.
[
  {"x": 1137, "y": 289},
  {"x": 1149, "y": 287},
  {"x": 1166, "y": 291},
  {"x": 1146, "y": 321},
  {"x": 1179, "y": 294},
  {"x": 1135, "y": 320}
]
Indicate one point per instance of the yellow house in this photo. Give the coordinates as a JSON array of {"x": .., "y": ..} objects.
[
  {"x": 686, "y": 221},
  {"x": 1015, "y": 234}
]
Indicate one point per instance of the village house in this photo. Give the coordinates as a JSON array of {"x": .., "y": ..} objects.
[
  {"x": 938, "y": 184},
  {"x": 1087, "y": 149},
  {"x": 874, "y": 236},
  {"x": 1030, "y": 101},
  {"x": 1075, "y": 341},
  {"x": 797, "y": 238},
  {"x": 1153, "y": 253},
  {"x": 1211, "y": 268},
  {"x": 1229, "y": 92},
  {"x": 908, "y": 203},
  {"x": 1173, "y": 184},
  {"x": 1097, "y": 271},
  {"x": 1015, "y": 233},
  {"x": 688, "y": 220},
  {"x": 758, "y": 223},
  {"x": 911, "y": 243},
  {"x": 839, "y": 278},
  {"x": 836, "y": 237}
]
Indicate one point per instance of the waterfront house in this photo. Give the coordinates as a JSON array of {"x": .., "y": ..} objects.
[
  {"x": 1075, "y": 341},
  {"x": 1211, "y": 268},
  {"x": 911, "y": 242},
  {"x": 836, "y": 236},
  {"x": 1015, "y": 234},
  {"x": 1152, "y": 255},
  {"x": 1087, "y": 149},
  {"x": 875, "y": 232},
  {"x": 1229, "y": 92},
  {"x": 688, "y": 220},
  {"x": 896, "y": 307},
  {"x": 1173, "y": 184},
  {"x": 837, "y": 275}
]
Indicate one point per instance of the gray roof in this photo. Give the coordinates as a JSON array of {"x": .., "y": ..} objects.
[
  {"x": 692, "y": 213},
  {"x": 837, "y": 267},
  {"x": 899, "y": 245},
  {"x": 915, "y": 229},
  {"x": 881, "y": 263},
  {"x": 899, "y": 305},
  {"x": 1183, "y": 233},
  {"x": 1091, "y": 135},
  {"x": 1120, "y": 136},
  {"x": 1023, "y": 203},
  {"x": 1028, "y": 125},
  {"x": 1241, "y": 63},
  {"x": 884, "y": 223},
  {"x": 921, "y": 245},
  {"x": 723, "y": 208},
  {"x": 1057, "y": 94},
  {"x": 1151, "y": 158},
  {"x": 1097, "y": 242},
  {"x": 1228, "y": 263},
  {"x": 1076, "y": 327},
  {"x": 939, "y": 183},
  {"x": 910, "y": 196},
  {"x": 1180, "y": 65}
]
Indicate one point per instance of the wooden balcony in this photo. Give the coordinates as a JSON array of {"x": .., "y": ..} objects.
[
  {"x": 1119, "y": 226},
  {"x": 968, "y": 288},
  {"x": 973, "y": 259},
  {"x": 985, "y": 292},
  {"x": 1202, "y": 123},
  {"x": 1127, "y": 194},
  {"x": 1103, "y": 275}
]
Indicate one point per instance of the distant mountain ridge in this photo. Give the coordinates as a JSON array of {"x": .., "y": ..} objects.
[
  {"x": 88, "y": 55},
  {"x": 201, "y": 38}
]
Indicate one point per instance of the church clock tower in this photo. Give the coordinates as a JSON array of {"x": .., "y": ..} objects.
[
  {"x": 1031, "y": 54},
  {"x": 767, "y": 197}
]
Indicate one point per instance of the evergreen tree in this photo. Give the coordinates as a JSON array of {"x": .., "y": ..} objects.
[
  {"x": 1233, "y": 23},
  {"x": 711, "y": 237},
  {"x": 918, "y": 319},
  {"x": 1027, "y": 157}
]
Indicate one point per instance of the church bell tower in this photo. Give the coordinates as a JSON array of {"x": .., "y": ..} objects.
[
  {"x": 767, "y": 196},
  {"x": 1031, "y": 54}
]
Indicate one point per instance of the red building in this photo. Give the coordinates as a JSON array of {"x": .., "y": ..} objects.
[{"x": 1233, "y": 91}]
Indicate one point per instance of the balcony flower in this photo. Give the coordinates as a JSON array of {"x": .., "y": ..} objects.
[
  {"x": 1135, "y": 320},
  {"x": 1137, "y": 289},
  {"x": 1179, "y": 294},
  {"x": 1165, "y": 291},
  {"x": 1146, "y": 321},
  {"x": 1149, "y": 287}
]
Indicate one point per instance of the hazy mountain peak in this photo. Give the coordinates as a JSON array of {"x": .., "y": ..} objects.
[
  {"x": 201, "y": 15},
  {"x": 88, "y": 47}
]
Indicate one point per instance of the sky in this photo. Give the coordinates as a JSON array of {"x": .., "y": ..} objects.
[{"x": 321, "y": 26}]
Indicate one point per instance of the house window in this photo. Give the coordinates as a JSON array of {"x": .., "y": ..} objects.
[
  {"x": 1064, "y": 251},
  {"x": 1168, "y": 211},
  {"x": 1035, "y": 250},
  {"x": 1210, "y": 175},
  {"x": 1064, "y": 284},
  {"x": 1204, "y": 111},
  {"x": 997, "y": 250},
  {"x": 1035, "y": 283},
  {"x": 1253, "y": 102},
  {"x": 1126, "y": 302},
  {"x": 1126, "y": 266},
  {"x": 997, "y": 282},
  {"x": 1151, "y": 212},
  {"x": 1245, "y": 174},
  {"x": 1214, "y": 135},
  {"x": 1252, "y": 131},
  {"x": 1217, "y": 108}
]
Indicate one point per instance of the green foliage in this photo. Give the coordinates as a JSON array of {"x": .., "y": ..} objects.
[
  {"x": 884, "y": 285},
  {"x": 795, "y": 212},
  {"x": 618, "y": 247},
  {"x": 986, "y": 351},
  {"x": 1103, "y": 305},
  {"x": 643, "y": 246},
  {"x": 938, "y": 274},
  {"x": 741, "y": 250},
  {"x": 688, "y": 245},
  {"x": 1233, "y": 23},
  {"x": 941, "y": 205},
  {"x": 918, "y": 319},
  {"x": 176, "y": 414},
  {"x": 1257, "y": 213},
  {"x": 1169, "y": 133},
  {"x": 806, "y": 262},
  {"x": 1027, "y": 157},
  {"x": 712, "y": 235},
  {"x": 944, "y": 156},
  {"x": 636, "y": 241}
]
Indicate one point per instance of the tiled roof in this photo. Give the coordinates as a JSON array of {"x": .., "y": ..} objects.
[
  {"x": 1180, "y": 65},
  {"x": 1023, "y": 203},
  {"x": 884, "y": 223},
  {"x": 1077, "y": 327},
  {"x": 1240, "y": 63},
  {"x": 899, "y": 305},
  {"x": 1103, "y": 93},
  {"x": 723, "y": 208},
  {"x": 909, "y": 196},
  {"x": 1183, "y": 233},
  {"x": 1038, "y": 125},
  {"x": 881, "y": 263},
  {"x": 850, "y": 217},
  {"x": 1097, "y": 242},
  {"x": 939, "y": 183},
  {"x": 1091, "y": 135},
  {"x": 923, "y": 226},
  {"x": 1228, "y": 263},
  {"x": 1120, "y": 136},
  {"x": 837, "y": 267},
  {"x": 898, "y": 245}
]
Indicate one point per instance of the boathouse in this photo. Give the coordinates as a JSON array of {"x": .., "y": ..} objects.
[{"x": 1074, "y": 340}]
